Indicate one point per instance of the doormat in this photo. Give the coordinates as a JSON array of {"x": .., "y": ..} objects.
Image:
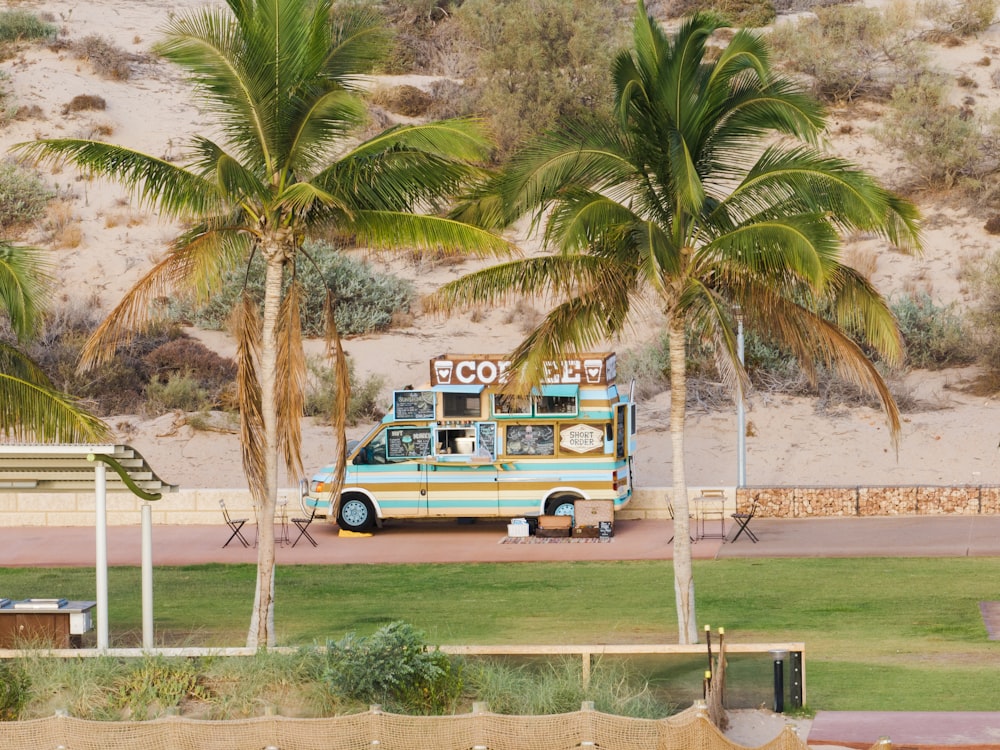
[
  {"x": 991, "y": 619},
  {"x": 554, "y": 540}
]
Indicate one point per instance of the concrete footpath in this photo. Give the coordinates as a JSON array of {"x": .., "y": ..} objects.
[{"x": 486, "y": 541}]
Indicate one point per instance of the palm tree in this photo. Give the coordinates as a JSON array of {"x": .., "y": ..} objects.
[
  {"x": 705, "y": 192},
  {"x": 280, "y": 77},
  {"x": 31, "y": 408}
]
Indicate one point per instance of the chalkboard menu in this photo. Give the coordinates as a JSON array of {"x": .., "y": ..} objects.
[
  {"x": 414, "y": 404},
  {"x": 407, "y": 442},
  {"x": 488, "y": 438},
  {"x": 531, "y": 440}
]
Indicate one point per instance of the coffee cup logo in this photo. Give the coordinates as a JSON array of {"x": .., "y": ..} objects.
[
  {"x": 443, "y": 369},
  {"x": 592, "y": 369}
]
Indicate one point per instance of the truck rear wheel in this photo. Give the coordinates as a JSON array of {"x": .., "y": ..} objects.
[
  {"x": 562, "y": 506},
  {"x": 356, "y": 514}
]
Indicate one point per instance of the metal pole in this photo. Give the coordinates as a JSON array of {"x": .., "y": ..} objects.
[
  {"x": 779, "y": 680},
  {"x": 147, "y": 576},
  {"x": 101, "y": 503},
  {"x": 741, "y": 427}
]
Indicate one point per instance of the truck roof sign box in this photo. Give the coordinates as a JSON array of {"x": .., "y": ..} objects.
[{"x": 491, "y": 370}]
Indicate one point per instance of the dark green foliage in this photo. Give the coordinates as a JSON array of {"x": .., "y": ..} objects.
[
  {"x": 934, "y": 335},
  {"x": 551, "y": 65},
  {"x": 15, "y": 690},
  {"x": 20, "y": 25},
  {"x": 164, "y": 355},
  {"x": 366, "y": 299},
  {"x": 393, "y": 667},
  {"x": 23, "y": 197}
]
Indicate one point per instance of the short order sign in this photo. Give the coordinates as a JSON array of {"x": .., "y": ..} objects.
[
  {"x": 581, "y": 438},
  {"x": 458, "y": 370}
]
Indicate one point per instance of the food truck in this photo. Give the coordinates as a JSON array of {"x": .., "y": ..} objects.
[{"x": 460, "y": 447}]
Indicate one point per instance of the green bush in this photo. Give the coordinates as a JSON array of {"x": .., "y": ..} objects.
[
  {"x": 180, "y": 391},
  {"x": 23, "y": 197},
  {"x": 321, "y": 393},
  {"x": 154, "y": 684},
  {"x": 852, "y": 51},
  {"x": 939, "y": 142},
  {"x": 395, "y": 668},
  {"x": 366, "y": 300},
  {"x": 20, "y": 25},
  {"x": 538, "y": 62},
  {"x": 15, "y": 690},
  {"x": 934, "y": 335}
]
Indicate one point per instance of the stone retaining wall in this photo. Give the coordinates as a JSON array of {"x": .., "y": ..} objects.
[{"x": 202, "y": 506}]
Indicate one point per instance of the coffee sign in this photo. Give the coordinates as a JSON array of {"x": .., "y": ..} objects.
[{"x": 484, "y": 370}]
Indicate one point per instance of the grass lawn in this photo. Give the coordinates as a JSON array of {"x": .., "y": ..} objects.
[{"x": 881, "y": 634}]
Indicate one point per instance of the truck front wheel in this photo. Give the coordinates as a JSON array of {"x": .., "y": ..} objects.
[{"x": 356, "y": 514}]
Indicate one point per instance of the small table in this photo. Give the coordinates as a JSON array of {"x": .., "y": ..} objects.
[
  {"x": 282, "y": 537},
  {"x": 711, "y": 506}
]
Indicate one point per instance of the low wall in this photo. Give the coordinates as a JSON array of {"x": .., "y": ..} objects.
[{"x": 201, "y": 506}]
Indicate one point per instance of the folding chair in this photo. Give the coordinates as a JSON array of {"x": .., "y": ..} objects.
[
  {"x": 303, "y": 525},
  {"x": 236, "y": 524},
  {"x": 743, "y": 521}
]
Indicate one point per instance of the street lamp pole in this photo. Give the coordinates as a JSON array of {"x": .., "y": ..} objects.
[{"x": 741, "y": 429}]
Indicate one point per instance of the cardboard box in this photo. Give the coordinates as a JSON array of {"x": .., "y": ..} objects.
[{"x": 593, "y": 512}]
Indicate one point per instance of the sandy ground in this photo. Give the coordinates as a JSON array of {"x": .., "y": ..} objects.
[{"x": 952, "y": 439}]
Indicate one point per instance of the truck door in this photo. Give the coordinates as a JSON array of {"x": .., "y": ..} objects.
[
  {"x": 389, "y": 468},
  {"x": 463, "y": 481}
]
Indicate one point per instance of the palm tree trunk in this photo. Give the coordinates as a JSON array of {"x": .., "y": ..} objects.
[
  {"x": 687, "y": 629},
  {"x": 262, "y": 620}
]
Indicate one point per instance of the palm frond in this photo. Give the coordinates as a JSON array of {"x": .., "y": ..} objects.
[
  {"x": 247, "y": 330},
  {"x": 25, "y": 278},
  {"x": 193, "y": 261},
  {"x": 171, "y": 189},
  {"x": 290, "y": 380},
  {"x": 342, "y": 398},
  {"x": 390, "y": 230},
  {"x": 31, "y": 409}
]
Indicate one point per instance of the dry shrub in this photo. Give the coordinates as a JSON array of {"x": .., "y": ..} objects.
[
  {"x": 84, "y": 102},
  {"x": 992, "y": 225},
  {"x": 101, "y": 130},
  {"x": 187, "y": 356},
  {"x": 107, "y": 60},
  {"x": 408, "y": 101},
  {"x": 29, "y": 112},
  {"x": 119, "y": 218},
  {"x": 862, "y": 260},
  {"x": 68, "y": 237}
]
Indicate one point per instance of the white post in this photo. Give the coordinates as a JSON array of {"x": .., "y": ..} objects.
[
  {"x": 101, "y": 503},
  {"x": 741, "y": 427},
  {"x": 147, "y": 576}
]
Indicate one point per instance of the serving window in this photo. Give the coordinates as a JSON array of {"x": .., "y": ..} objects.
[
  {"x": 461, "y": 406},
  {"x": 553, "y": 401}
]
